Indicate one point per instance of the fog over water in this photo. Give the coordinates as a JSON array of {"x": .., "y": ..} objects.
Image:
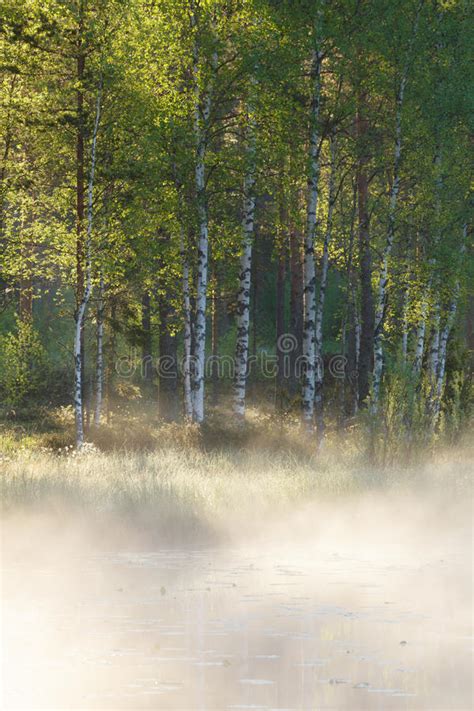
[{"x": 358, "y": 603}]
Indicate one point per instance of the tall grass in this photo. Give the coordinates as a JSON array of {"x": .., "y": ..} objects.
[{"x": 201, "y": 480}]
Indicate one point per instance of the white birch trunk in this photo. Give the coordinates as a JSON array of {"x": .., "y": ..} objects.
[
  {"x": 202, "y": 110},
  {"x": 243, "y": 294},
  {"x": 81, "y": 311},
  {"x": 309, "y": 272},
  {"x": 394, "y": 190},
  {"x": 406, "y": 298},
  {"x": 188, "y": 403},
  {"x": 434, "y": 350},
  {"x": 319, "y": 369},
  {"x": 443, "y": 345},
  {"x": 100, "y": 355},
  {"x": 420, "y": 338},
  {"x": 383, "y": 279}
]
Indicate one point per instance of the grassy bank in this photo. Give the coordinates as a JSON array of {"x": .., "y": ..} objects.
[{"x": 209, "y": 480}]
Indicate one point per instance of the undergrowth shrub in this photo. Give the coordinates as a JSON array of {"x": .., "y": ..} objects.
[{"x": 23, "y": 365}]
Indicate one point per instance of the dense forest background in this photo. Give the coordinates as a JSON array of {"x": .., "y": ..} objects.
[{"x": 221, "y": 203}]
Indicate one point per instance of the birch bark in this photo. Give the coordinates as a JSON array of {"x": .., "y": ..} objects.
[
  {"x": 420, "y": 338},
  {"x": 443, "y": 346},
  {"x": 434, "y": 350},
  {"x": 187, "y": 336},
  {"x": 319, "y": 368},
  {"x": 309, "y": 273},
  {"x": 365, "y": 257},
  {"x": 202, "y": 110},
  {"x": 100, "y": 355},
  {"x": 406, "y": 298},
  {"x": 81, "y": 310},
  {"x": 245, "y": 271},
  {"x": 442, "y": 350},
  {"x": 394, "y": 190}
]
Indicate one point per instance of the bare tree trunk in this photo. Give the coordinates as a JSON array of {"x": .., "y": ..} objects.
[
  {"x": 383, "y": 278},
  {"x": 245, "y": 272},
  {"x": 310, "y": 238},
  {"x": 365, "y": 258},
  {"x": 280, "y": 327},
  {"x": 168, "y": 365},
  {"x": 296, "y": 305},
  {"x": 319, "y": 375},
  {"x": 100, "y": 355},
  {"x": 352, "y": 324},
  {"x": 188, "y": 403},
  {"x": 147, "y": 350},
  {"x": 81, "y": 311},
  {"x": 111, "y": 355},
  {"x": 214, "y": 340},
  {"x": 202, "y": 110},
  {"x": 434, "y": 350},
  {"x": 420, "y": 338},
  {"x": 406, "y": 298},
  {"x": 80, "y": 202},
  {"x": 443, "y": 346}
]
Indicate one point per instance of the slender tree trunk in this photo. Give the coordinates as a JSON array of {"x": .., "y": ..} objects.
[
  {"x": 245, "y": 272},
  {"x": 310, "y": 238},
  {"x": 214, "y": 340},
  {"x": 280, "y": 327},
  {"x": 296, "y": 305},
  {"x": 443, "y": 345},
  {"x": 187, "y": 337},
  {"x": 168, "y": 364},
  {"x": 80, "y": 199},
  {"x": 365, "y": 258},
  {"x": 147, "y": 348},
  {"x": 420, "y": 338},
  {"x": 202, "y": 110},
  {"x": 100, "y": 355},
  {"x": 434, "y": 350},
  {"x": 111, "y": 355},
  {"x": 352, "y": 328},
  {"x": 81, "y": 311},
  {"x": 406, "y": 297},
  {"x": 255, "y": 301},
  {"x": 319, "y": 374},
  {"x": 383, "y": 278}
]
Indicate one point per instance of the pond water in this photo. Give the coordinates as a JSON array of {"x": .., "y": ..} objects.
[{"x": 271, "y": 626}]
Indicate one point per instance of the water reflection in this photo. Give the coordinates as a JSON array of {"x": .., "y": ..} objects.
[{"x": 299, "y": 627}]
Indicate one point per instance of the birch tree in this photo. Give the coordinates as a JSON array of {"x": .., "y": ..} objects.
[
  {"x": 245, "y": 270},
  {"x": 100, "y": 354},
  {"x": 202, "y": 112},
  {"x": 187, "y": 336},
  {"x": 81, "y": 310},
  {"x": 394, "y": 190},
  {"x": 319, "y": 374},
  {"x": 309, "y": 271}
]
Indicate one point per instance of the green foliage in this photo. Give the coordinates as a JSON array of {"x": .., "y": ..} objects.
[
  {"x": 144, "y": 198},
  {"x": 23, "y": 365}
]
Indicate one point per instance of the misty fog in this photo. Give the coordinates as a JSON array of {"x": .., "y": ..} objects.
[{"x": 362, "y": 602}]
